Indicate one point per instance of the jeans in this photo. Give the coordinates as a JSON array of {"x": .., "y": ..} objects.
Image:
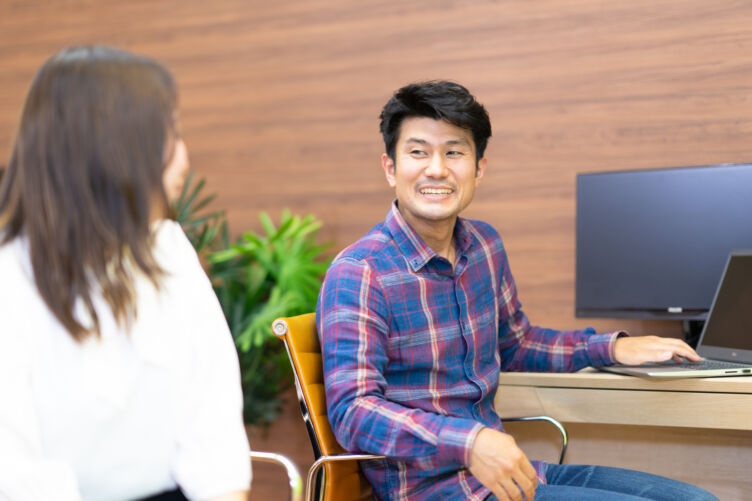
[{"x": 571, "y": 482}]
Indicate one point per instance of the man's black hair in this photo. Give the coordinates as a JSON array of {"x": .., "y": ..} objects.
[{"x": 440, "y": 100}]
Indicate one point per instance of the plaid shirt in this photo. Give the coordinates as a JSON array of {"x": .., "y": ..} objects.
[{"x": 412, "y": 351}]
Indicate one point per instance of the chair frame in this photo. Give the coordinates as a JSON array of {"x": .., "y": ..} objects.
[
  {"x": 293, "y": 475},
  {"x": 280, "y": 329},
  {"x": 559, "y": 426},
  {"x": 321, "y": 461}
]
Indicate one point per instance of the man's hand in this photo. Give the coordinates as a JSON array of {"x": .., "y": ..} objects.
[
  {"x": 640, "y": 349},
  {"x": 500, "y": 465}
]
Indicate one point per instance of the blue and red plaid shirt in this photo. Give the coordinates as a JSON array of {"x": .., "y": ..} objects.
[{"x": 412, "y": 351}]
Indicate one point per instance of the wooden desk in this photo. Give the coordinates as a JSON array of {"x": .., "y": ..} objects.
[
  {"x": 596, "y": 397},
  {"x": 695, "y": 430}
]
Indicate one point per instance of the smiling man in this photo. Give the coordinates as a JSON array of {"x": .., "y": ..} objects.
[{"x": 417, "y": 318}]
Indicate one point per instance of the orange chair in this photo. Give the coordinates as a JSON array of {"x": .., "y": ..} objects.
[{"x": 343, "y": 479}]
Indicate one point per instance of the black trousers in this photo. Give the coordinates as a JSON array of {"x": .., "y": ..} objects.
[{"x": 175, "y": 495}]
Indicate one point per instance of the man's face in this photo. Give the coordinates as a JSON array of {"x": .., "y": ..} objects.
[{"x": 435, "y": 173}]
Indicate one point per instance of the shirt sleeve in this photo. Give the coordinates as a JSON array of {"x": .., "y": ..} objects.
[
  {"x": 212, "y": 446},
  {"x": 27, "y": 474},
  {"x": 352, "y": 323},
  {"x": 529, "y": 348}
]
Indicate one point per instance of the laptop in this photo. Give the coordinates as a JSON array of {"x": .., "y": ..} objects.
[{"x": 726, "y": 340}]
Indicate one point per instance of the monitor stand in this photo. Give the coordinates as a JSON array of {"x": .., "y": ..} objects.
[{"x": 692, "y": 330}]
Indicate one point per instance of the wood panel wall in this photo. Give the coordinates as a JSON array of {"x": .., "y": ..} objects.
[{"x": 280, "y": 101}]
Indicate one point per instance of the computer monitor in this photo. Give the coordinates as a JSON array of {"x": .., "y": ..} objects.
[{"x": 652, "y": 244}]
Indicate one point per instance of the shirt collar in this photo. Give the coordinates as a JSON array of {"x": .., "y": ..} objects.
[{"x": 412, "y": 246}]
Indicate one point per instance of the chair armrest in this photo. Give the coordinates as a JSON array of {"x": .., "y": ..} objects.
[
  {"x": 316, "y": 466},
  {"x": 554, "y": 422},
  {"x": 293, "y": 475}
]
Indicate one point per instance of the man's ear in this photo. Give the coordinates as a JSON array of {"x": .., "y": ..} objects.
[
  {"x": 388, "y": 165},
  {"x": 480, "y": 169}
]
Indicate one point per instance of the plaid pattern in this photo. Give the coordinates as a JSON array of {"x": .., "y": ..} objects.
[{"x": 412, "y": 353}]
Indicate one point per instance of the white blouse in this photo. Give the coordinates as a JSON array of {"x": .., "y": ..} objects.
[{"x": 127, "y": 415}]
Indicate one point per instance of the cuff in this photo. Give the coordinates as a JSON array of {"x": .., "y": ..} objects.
[
  {"x": 456, "y": 441},
  {"x": 541, "y": 469},
  {"x": 601, "y": 348}
]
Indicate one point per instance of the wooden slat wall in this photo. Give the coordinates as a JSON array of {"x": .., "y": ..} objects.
[{"x": 280, "y": 101}]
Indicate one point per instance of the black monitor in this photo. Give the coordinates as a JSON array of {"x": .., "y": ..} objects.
[{"x": 652, "y": 244}]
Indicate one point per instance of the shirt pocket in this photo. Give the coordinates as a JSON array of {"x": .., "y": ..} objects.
[{"x": 485, "y": 325}]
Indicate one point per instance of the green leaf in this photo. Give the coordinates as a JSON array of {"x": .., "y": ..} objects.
[
  {"x": 257, "y": 278},
  {"x": 266, "y": 222},
  {"x": 224, "y": 255}
]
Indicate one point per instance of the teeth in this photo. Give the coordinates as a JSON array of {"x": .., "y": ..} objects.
[{"x": 435, "y": 191}]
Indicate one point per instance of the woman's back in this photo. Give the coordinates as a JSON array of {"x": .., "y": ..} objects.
[
  {"x": 127, "y": 414},
  {"x": 118, "y": 374}
]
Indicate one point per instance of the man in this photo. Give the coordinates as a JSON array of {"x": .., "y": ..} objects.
[{"x": 418, "y": 317}]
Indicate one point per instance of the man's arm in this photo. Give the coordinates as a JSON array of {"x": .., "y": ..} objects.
[
  {"x": 529, "y": 348},
  {"x": 351, "y": 318}
]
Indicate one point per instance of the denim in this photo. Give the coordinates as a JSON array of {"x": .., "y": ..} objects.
[{"x": 571, "y": 482}]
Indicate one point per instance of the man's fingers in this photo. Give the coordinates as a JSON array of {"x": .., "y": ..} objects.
[
  {"x": 529, "y": 471},
  {"x": 641, "y": 349},
  {"x": 526, "y": 484},
  {"x": 498, "y": 491},
  {"x": 678, "y": 348},
  {"x": 688, "y": 353},
  {"x": 501, "y": 466},
  {"x": 512, "y": 491}
]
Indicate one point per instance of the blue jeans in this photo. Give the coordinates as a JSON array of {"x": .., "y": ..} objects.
[{"x": 571, "y": 482}]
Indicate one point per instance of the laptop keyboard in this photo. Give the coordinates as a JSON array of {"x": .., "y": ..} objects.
[
  {"x": 704, "y": 365},
  {"x": 710, "y": 364}
]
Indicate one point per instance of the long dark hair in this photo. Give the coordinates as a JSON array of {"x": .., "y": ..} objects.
[{"x": 84, "y": 176}]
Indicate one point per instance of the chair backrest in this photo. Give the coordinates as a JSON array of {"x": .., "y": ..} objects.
[{"x": 343, "y": 480}]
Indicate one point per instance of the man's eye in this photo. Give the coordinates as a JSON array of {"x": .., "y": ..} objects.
[
  {"x": 417, "y": 152},
  {"x": 455, "y": 153}
]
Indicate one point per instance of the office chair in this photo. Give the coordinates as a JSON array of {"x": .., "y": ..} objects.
[
  {"x": 342, "y": 478},
  {"x": 293, "y": 476}
]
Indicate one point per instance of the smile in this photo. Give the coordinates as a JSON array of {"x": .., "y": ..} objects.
[{"x": 435, "y": 191}]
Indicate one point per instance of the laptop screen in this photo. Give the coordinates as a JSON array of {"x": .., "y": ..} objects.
[{"x": 729, "y": 324}]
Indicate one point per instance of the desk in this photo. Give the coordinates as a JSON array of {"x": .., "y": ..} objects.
[{"x": 696, "y": 430}]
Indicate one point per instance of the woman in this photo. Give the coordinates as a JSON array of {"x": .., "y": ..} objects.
[{"x": 118, "y": 375}]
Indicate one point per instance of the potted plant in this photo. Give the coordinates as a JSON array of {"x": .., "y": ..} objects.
[{"x": 262, "y": 276}]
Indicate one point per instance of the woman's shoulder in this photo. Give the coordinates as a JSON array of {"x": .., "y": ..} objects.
[
  {"x": 8, "y": 249},
  {"x": 15, "y": 267},
  {"x": 22, "y": 311},
  {"x": 172, "y": 249},
  {"x": 169, "y": 233}
]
